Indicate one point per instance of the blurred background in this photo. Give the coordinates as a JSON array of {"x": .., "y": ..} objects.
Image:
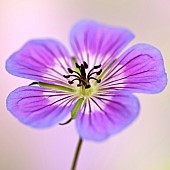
[{"x": 145, "y": 145}]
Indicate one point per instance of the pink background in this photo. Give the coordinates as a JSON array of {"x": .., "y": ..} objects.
[{"x": 145, "y": 145}]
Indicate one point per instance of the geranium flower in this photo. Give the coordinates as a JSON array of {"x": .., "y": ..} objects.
[{"x": 94, "y": 86}]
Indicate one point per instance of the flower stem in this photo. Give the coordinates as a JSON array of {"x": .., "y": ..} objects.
[{"x": 76, "y": 154}]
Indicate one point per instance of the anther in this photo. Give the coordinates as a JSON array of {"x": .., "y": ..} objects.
[
  {"x": 70, "y": 70},
  {"x": 99, "y": 72},
  {"x": 98, "y": 81},
  {"x": 96, "y": 67},
  {"x": 77, "y": 65},
  {"x": 85, "y": 65},
  {"x": 70, "y": 82},
  {"x": 87, "y": 86},
  {"x": 66, "y": 76}
]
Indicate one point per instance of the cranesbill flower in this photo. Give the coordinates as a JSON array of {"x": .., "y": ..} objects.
[{"x": 94, "y": 86}]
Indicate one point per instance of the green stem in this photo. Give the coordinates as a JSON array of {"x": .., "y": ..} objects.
[
  {"x": 76, "y": 154},
  {"x": 55, "y": 87}
]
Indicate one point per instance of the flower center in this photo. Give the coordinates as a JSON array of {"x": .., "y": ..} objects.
[{"x": 81, "y": 76}]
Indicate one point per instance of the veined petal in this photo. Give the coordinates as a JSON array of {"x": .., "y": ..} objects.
[
  {"x": 106, "y": 114},
  {"x": 139, "y": 69},
  {"x": 97, "y": 43},
  {"x": 39, "y": 107},
  {"x": 40, "y": 60}
]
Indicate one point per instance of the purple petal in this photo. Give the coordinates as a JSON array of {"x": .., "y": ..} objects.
[
  {"x": 106, "y": 114},
  {"x": 39, "y": 107},
  {"x": 41, "y": 60},
  {"x": 97, "y": 43},
  {"x": 139, "y": 69}
]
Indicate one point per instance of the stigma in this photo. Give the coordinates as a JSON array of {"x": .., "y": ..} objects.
[{"x": 81, "y": 76}]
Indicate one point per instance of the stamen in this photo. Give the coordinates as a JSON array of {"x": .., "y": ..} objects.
[
  {"x": 70, "y": 70},
  {"x": 98, "y": 81},
  {"x": 88, "y": 86},
  {"x": 99, "y": 72},
  {"x": 72, "y": 81},
  {"x": 96, "y": 72},
  {"x": 95, "y": 67},
  {"x": 68, "y": 76}
]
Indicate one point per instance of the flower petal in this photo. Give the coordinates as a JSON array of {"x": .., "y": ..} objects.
[
  {"x": 106, "y": 114},
  {"x": 39, "y": 107},
  {"x": 97, "y": 43},
  {"x": 139, "y": 69},
  {"x": 41, "y": 60}
]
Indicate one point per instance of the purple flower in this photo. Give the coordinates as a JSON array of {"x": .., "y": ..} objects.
[{"x": 94, "y": 85}]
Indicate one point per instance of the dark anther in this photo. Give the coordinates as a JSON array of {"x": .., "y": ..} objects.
[
  {"x": 85, "y": 65},
  {"x": 87, "y": 86},
  {"x": 90, "y": 72},
  {"x": 99, "y": 72},
  {"x": 96, "y": 67},
  {"x": 70, "y": 82},
  {"x": 98, "y": 81},
  {"x": 66, "y": 76},
  {"x": 70, "y": 70},
  {"x": 77, "y": 65}
]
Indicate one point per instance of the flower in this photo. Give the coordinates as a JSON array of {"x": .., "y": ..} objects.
[{"x": 95, "y": 85}]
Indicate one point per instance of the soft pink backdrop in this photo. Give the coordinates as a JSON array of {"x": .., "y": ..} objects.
[{"x": 145, "y": 145}]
